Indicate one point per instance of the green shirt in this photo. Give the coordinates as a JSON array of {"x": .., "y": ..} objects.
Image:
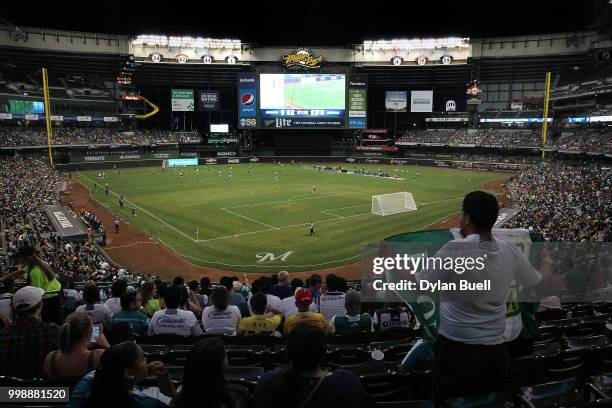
[
  {"x": 39, "y": 280},
  {"x": 139, "y": 322},
  {"x": 342, "y": 325}
]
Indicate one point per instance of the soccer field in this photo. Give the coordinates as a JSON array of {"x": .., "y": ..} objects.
[
  {"x": 237, "y": 225},
  {"x": 317, "y": 95}
]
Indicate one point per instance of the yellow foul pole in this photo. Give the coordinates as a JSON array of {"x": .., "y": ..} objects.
[
  {"x": 47, "y": 113},
  {"x": 545, "y": 124}
]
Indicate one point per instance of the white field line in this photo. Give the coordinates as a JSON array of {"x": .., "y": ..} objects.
[
  {"x": 288, "y": 200},
  {"x": 145, "y": 211},
  {"x": 132, "y": 244},
  {"x": 250, "y": 219}
]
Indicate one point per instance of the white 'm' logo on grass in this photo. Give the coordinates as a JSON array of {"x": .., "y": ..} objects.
[{"x": 270, "y": 257}]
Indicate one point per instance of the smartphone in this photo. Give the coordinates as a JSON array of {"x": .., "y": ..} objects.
[{"x": 95, "y": 332}]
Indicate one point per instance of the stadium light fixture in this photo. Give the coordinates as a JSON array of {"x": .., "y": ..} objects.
[
  {"x": 417, "y": 44},
  {"x": 185, "y": 42}
]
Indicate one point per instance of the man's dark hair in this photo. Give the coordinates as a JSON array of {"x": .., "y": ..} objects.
[
  {"x": 119, "y": 332},
  {"x": 306, "y": 346},
  {"x": 482, "y": 209},
  {"x": 178, "y": 281},
  {"x": 315, "y": 279},
  {"x": 342, "y": 284},
  {"x": 226, "y": 282},
  {"x": 296, "y": 283},
  {"x": 193, "y": 286},
  {"x": 259, "y": 301},
  {"x": 219, "y": 297},
  {"x": 264, "y": 284},
  {"x": 91, "y": 294},
  {"x": 128, "y": 298},
  {"x": 332, "y": 282},
  {"x": 172, "y": 297},
  {"x": 205, "y": 286},
  {"x": 119, "y": 287}
]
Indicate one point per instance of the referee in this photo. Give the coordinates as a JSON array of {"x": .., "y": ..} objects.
[{"x": 312, "y": 228}]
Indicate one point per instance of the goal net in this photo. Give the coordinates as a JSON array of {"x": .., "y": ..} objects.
[{"x": 394, "y": 203}]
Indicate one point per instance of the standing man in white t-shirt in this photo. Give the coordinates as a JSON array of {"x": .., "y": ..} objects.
[
  {"x": 174, "y": 320},
  {"x": 475, "y": 327}
]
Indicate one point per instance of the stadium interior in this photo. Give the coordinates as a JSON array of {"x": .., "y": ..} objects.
[{"x": 176, "y": 205}]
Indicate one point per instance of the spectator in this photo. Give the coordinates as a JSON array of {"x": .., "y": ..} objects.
[
  {"x": 210, "y": 383},
  {"x": 5, "y": 299},
  {"x": 221, "y": 317},
  {"x": 392, "y": 317},
  {"x": 118, "y": 289},
  {"x": 274, "y": 302},
  {"x": 149, "y": 303},
  {"x": 73, "y": 358},
  {"x": 205, "y": 287},
  {"x": 306, "y": 384},
  {"x": 25, "y": 342},
  {"x": 130, "y": 313},
  {"x": 40, "y": 275},
  {"x": 330, "y": 303},
  {"x": 98, "y": 312},
  {"x": 174, "y": 320},
  {"x": 314, "y": 283},
  {"x": 235, "y": 298},
  {"x": 72, "y": 297},
  {"x": 202, "y": 299},
  {"x": 353, "y": 322},
  {"x": 288, "y": 307},
  {"x": 259, "y": 323},
  {"x": 115, "y": 381},
  {"x": 282, "y": 289},
  {"x": 477, "y": 328},
  {"x": 303, "y": 300},
  {"x": 119, "y": 333}
]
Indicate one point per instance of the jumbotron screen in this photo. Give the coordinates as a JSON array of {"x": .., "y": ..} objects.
[{"x": 304, "y": 100}]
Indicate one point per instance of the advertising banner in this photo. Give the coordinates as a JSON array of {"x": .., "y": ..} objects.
[
  {"x": 421, "y": 101},
  {"x": 396, "y": 101},
  {"x": 182, "y": 100},
  {"x": 65, "y": 224},
  {"x": 247, "y": 100},
  {"x": 210, "y": 101}
]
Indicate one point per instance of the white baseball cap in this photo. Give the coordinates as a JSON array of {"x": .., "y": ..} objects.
[{"x": 26, "y": 298}]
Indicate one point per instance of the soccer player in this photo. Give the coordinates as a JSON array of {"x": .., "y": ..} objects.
[
  {"x": 229, "y": 177},
  {"x": 106, "y": 188},
  {"x": 121, "y": 201},
  {"x": 133, "y": 210},
  {"x": 219, "y": 172},
  {"x": 275, "y": 175},
  {"x": 314, "y": 189},
  {"x": 181, "y": 173},
  {"x": 116, "y": 224},
  {"x": 312, "y": 232}
]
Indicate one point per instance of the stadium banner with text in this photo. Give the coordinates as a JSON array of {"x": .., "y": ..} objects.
[
  {"x": 182, "y": 100},
  {"x": 396, "y": 101},
  {"x": 358, "y": 101},
  {"x": 209, "y": 101},
  {"x": 421, "y": 101},
  {"x": 182, "y": 162},
  {"x": 247, "y": 100},
  {"x": 108, "y": 156},
  {"x": 65, "y": 223}
]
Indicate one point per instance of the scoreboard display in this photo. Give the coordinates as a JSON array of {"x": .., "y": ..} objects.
[{"x": 292, "y": 100}]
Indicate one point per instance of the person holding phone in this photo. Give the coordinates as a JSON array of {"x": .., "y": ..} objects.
[{"x": 75, "y": 358}]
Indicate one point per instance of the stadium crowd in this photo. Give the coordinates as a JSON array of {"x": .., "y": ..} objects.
[
  {"x": 36, "y": 136},
  {"x": 573, "y": 139},
  {"x": 564, "y": 201}
]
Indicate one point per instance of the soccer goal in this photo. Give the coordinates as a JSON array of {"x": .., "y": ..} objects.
[{"x": 394, "y": 203}]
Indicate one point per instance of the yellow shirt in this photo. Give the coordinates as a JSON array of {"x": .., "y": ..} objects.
[
  {"x": 39, "y": 280},
  {"x": 259, "y": 324},
  {"x": 315, "y": 319}
]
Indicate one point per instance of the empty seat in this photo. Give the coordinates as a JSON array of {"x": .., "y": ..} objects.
[
  {"x": 601, "y": 385},
  {"x": 520, "y": 372},
  {"x": 583, "y": 329},
  {"x": 384, "y": 386},
  {"x": 245, "y": 357},
  {"x": 154, "y": 352},
  {"x": 547, "y": 349},
  {"x": 547, "y": 334},
  {"x": 347, "y": 357},
  {"x": 244, "y": 373},
  {"x": 551, "y": 314},
  {"x": 587, "y": 342},
  {"x": 396, "y": 353},
  {"x": 600, "y": 359},
  {"x": 358, "y": 340},
  {"x": 570, "y": 392},
  {"x": 566, "y": 364},
  {"x": 486, "y": 400}
]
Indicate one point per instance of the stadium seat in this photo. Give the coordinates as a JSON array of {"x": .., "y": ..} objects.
[
  {"x": 600, "y": 359},
  {"x": 583, "y": 329},
  {"x": 551, "y": 314},
  {"x": 245, "y": 357},
  {"x": 587, "y": 342},
  {"x": 397, "y": 352},
  {"x": 564, "y": 365},
  {"x": 581, "y": 310},
  {"x": 547, "y": 349},
  {"x": 406, "y": 404},
  {"x": 384, "y": 386},
  {"x": 570, "y": 392},
  {"x": 175, "y": 357},
  {"x": 402, "y": 333},
  {"x": 547, "y": 334},
  {"x": 485, "y": 400},
  {"x": 601, "y": 385},
  {"x": 244, "y": 373},
  {"x": 347, "y": 357},
  {"x": 374, "y": 367},
  {"x": 420, "y": 383},
  {"x": 358, "y": 340},
  {"x": 277, "y": 359},
  {"x": 154, "y": 352}
]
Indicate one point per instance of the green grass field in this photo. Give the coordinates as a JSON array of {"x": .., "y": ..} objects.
[
  {"x": 239, "y": 222},
  {"x": 318, "y": 95}
]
